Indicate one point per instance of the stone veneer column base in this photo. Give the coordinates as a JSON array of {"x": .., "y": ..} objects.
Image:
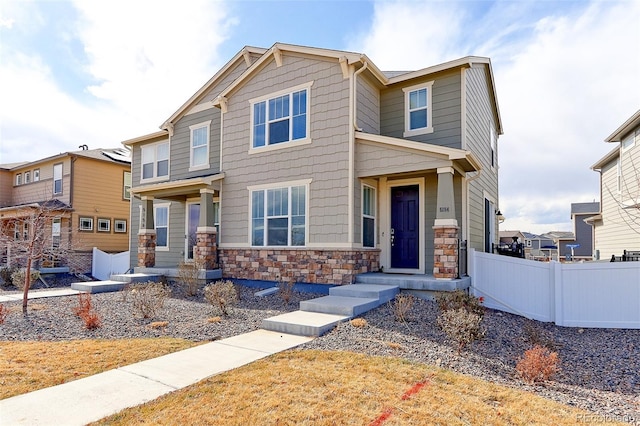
[
  {"x": 300, "y": 265},
  {"x": 147, "y": 249},
  {"x": 205, "y": 250},
  {"x": 445, "y": 253}
]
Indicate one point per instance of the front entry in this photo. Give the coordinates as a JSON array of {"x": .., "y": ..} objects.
[{"x": 405, "y": 227}]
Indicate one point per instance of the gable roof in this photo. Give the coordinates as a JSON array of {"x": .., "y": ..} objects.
[
  {"x": 625, "y": 128},
  {"x": 114, "y": 155}
]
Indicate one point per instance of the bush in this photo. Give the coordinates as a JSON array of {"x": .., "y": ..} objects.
[
  {"x": 460, "y": 299},
  {"x": 3, "y": 313},
  {"x": 18, "y": 276},
  {"x": 359, "y": 322},
  {"x": 222, "y": 295},
  {"x": 188, "y": 273},
  {"x": 5, "y": 275},
  {"x": 147, "y": 298},
  {"x": 85, "y": 311},
  {"x": 461, "y": 326},
  {"x": 286, "y": 289},
  {"x": 401, "y": 306},
  {"x": 538, "y": 364}
]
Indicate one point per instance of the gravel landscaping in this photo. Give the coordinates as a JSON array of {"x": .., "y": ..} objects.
[{"x": 600, "y": 368}]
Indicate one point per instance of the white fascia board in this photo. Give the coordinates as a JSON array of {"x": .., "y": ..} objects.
[{"x": 626, "y": 127}]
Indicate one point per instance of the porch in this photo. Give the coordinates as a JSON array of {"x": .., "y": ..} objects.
[{"x": 421, "y": 285}]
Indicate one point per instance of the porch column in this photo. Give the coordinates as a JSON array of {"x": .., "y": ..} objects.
[
  {"x": 206, "y": 249},
  {"x": 147, "y": 235},
  {"x": 446, "y": 230}
]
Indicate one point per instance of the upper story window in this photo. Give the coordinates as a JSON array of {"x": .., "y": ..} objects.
[
  {"x": 279, "y": 216},
  {"x": 368, "y": 216},
  {"x": 631, "y": 139},
  {"x": 36, "y": 175},
  {"x": 27, "y": 177},
  {"x": 494, "y": 140},
  {"x": 155, "y": 161},
  {"x": 57, "y": 179},
  {"x": 280, "y": 117},
  {"x": 418, "y": 109},
  {"x": 199, "y": 151},
  {"x": 126, "y": 186},
  {"x": 19, "y": 179}
]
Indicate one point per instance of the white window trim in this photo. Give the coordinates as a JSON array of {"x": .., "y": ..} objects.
[
  {"x": 425, "y": 130},
  {"x": 27, "y": 177},
  {"x": 155, "y": 210},
  {"x": 18, "y": 179},
  {"x": 494, "y": 147},
  {"x": 155, "y": 163},
  {"x": 36, "y": 175},
  {"x": 192, "y": 128},
  {"x": 374, "y": 217},
  {"x": 103, "y": 220},
  {"x": 61, "y": 177},
  {"x": 629, "y": 141},
  {"x": 117, "y": 222},
  {"x": 263, "y": 187},
  {"x": 90, "y": 221},
  {"x": 288, "y": 144}
]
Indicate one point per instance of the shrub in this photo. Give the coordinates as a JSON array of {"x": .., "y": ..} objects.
[
  {"x": 188, "y": 273},
  {"x": 159, "y": 324},
  {"x": 286, "y": 289},
  {"x": 538, "y": 364},
  {"x": 359, "y": 322},
  {"x": 222, "y": 295},
  {"x": 3, "y": 313},
  {"x": 85, "y": 311},
  {"x": 5, "y": 275},
  {"x": 401, "y": 306},
  {"x": 147, "y": 298},
  {"x": 92, "y": 320},
  {"x": 535, "y": 335},
  {"x": 460, "y": 299},
  {"x": 461, "y": 326},
  {"x": 18, "y": 276}
]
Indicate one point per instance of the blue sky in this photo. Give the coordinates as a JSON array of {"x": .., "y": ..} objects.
[{"x": 97, "y": 73}]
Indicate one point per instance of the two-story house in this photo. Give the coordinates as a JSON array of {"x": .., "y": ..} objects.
[
  {"x": 617, "y": 227},
  {"x": 87, "y": 193},
  {"x": 314, "y": 164}
]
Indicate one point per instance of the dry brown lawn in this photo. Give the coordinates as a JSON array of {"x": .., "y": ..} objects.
[{"x": 299, "y": 387}]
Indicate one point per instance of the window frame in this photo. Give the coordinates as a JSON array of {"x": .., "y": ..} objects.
[
  {"x": 157, "y": 207},
  {"x": 18, "y": 180},
  {"x": 27, "y": 177},
  {"x": 123, "y": 226},
  {"x": 56, "y": 231},
  {"x": 291, "y": 141},
  {"x": 494, "y": 144},
  {"x": 60, "y": 167},
  {"x": 369, "y": 216},
  {"x": 102, "y": 221},
  {"x": 126, "y": 189},
  {"x": 193, "y": 128},
  {"x": 408, "y": 131},
  {"x": 36, "y": 175},
  {"x": 89, "y": 220},
  {"x": 264, "y": 189},
  {"x": 155, "y": 161}
]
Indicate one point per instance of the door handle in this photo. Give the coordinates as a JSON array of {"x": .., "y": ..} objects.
[{"x": 393, "y": 236}]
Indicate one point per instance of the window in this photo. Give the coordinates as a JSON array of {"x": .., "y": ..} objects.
[
  {"x": 630, "y": 140},
  {"x": 104, "y": 225},
  {"x": 19, "y": 179},
  {"x": 126, "y": 184},
  {"x": 199, "y": 153},
  {"x": 27, "y": 177},
  {"x": 86, "y": 224},
  {"x": 55, "y": 232},
  {"x": 57, "y": 179},
  {"x": 36, "y": 175},
  {"x": 155, "y": 161},
  {"x": 619, "y": 176},
  {"x": 120, "y": 225},
  {"x": 161, "y": 217},
  {"x": 418, "y": 109},
  {"x": 280, "y": 118},
  {"x": 493, "y": 145},
  {"x": 278, "y": 216},
  {"x": 368, "y": 216}
]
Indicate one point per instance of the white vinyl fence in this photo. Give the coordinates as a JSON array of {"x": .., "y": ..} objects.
[
  {"x": 105, "y": 264},
  {"x": 589, "y": 294}
]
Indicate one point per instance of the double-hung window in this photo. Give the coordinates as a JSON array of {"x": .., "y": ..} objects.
[
  {"x": 126, "y": 186},
  {"x": 27, "y": 177},
  {"x": 281, "y": 117},
  {"x": 368, "y": 216},
  {"x": 279, "y": 216},
  {"x": 418, "y": 109},
  {"x": 19, "y": 179},
  {"x": 199, "y": 151},
  {"x": 36, "y": 175},
  {"x": 57, "y": 179},
  {"x": 161, "y": 217},
  {"x": 155, "y": 161}
]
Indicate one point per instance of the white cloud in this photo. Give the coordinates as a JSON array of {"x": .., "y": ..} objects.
[{"x": 566, "y": 76}]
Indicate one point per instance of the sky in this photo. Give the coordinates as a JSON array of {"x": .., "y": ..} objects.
[{"x": 567, "y": 73}]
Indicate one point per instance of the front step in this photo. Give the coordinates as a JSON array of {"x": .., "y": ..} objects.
[
  {"x": 136, "y": 278},
  {"x": 340, "y": 305},
  {"x": 383, "y": 293},
  {"x": 303, "y": 323},
  {"x": 98, "y": 286}
]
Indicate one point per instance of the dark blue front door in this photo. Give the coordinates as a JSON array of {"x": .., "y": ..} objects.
[{"x": 405, "y": 227}]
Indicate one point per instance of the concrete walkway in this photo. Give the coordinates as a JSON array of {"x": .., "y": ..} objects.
[
  {"x": 86, "y": 400},
  {"x": 39, "y": 294}
]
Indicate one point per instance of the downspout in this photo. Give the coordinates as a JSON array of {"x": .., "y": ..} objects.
[{"x": 353, "y": 119}]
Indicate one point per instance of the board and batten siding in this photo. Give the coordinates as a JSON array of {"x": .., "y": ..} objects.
[
  {"x": 480, "y": 118},
  {"x": 324, "y": 160},
  {"x": 181, "y": 145},
  {"x": 446, "y": 110}
]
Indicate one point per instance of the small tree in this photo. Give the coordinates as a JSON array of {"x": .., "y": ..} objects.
[{"x": 34, "y": 234}]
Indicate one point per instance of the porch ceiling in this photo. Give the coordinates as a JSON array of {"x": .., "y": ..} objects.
[
  {"x": 179, "y": 188},
  {"x": 380, "y": 155}
]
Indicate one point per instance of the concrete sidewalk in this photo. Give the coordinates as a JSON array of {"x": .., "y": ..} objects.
[
  {"x": 93, "y": 398},
  {"x": 39, "y": 294}
]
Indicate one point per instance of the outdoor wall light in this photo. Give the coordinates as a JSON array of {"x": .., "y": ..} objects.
[{"x": 499, "y": 216}]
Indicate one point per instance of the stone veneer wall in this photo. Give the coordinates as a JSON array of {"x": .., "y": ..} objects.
[
  {"x": 305, "y": 266},
  {"x": 445, "y": 253}
]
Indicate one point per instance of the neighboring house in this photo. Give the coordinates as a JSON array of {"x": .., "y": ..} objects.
[
  {"x": 617, "y": 226},
  {"x": 581, "y": 239},
  {"x": 539, "y": 247},
  {"x": 314, "y": 165},
  {"x": 508, "y": 237},
  {"x": 89, "y": 189}
]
